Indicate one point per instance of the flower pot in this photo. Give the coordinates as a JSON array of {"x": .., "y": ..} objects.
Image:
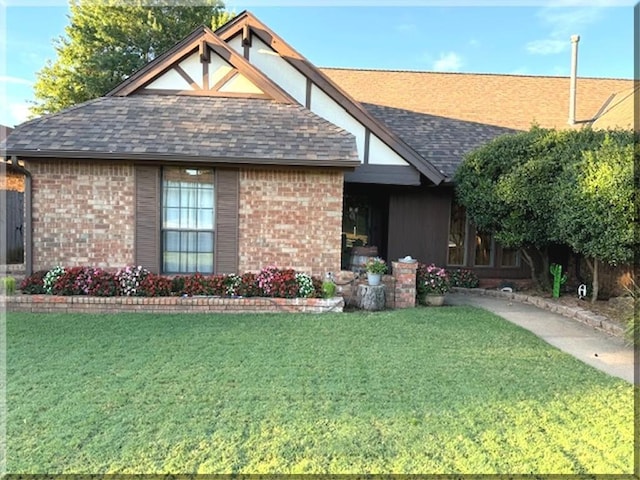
[
  {"x": 433, "y": 299},
  {"x": 373, "y": 278}
]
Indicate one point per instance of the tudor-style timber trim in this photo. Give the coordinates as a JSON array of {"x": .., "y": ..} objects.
[
  {"x": 367, "y": 141},
  {"x": 353, "y": 107},
  {"x": 384, "y": 175},
  {"x": 190, "y": 45},
  {"x": 155, "y": 158}
]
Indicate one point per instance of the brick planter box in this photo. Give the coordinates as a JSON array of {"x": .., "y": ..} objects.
[{"x": 84, "y": 304}]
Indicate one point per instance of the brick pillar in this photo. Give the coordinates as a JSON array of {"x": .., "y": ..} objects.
[{"x": 405, "y": 288}]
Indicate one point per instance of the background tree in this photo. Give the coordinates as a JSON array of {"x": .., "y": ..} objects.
[
  {"x": 107, "y": 41},
  {"x": 597, "y": 195}
]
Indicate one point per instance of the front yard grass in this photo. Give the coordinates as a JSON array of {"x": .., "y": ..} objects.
[{"x": 425, "y": 390}]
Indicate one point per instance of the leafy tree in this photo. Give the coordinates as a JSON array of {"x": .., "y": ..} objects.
[
  {"x": 597, "y": 194},
  {"x": 106, "y": 41},
  {"x": 493, "y": 184},
  {"x": 510, "y": 188}
]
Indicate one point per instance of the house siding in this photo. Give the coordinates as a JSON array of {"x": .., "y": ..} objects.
[
  {"x": 82, "y": 213},
  {"x": 418, "y": 225},
  {"x": 290, "y": 218}
]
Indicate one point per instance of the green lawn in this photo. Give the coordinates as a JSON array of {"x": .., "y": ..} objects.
[{"x": 428, "y": 390}]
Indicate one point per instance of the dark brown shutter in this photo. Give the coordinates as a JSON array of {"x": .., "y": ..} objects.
[
  {"x": 148, "y": 196},
  {"x": 226, "y": 246}
]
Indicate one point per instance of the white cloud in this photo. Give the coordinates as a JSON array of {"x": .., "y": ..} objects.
[
  {"x": 474, "y": 43},
  {"x": 562, "y": 22},
  {"x": 448, "y": 62},
  {"x": 15, "y": 80},
  {"x": 547, "y": 46}
]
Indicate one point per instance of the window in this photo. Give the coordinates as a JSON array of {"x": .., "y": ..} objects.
[
  {"x": 457, "y": 235},
  {"x": 484, "y": 250},
  {"x": 510, "y": 257},
  {"x": 188, "y": 214}
]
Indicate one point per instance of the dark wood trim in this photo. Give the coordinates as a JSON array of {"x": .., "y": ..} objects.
[
  {"x": 205, "y": 75},
  {"x": 246, "y": 35},
  {"x": 323, "y": 82},
  {"x": 307, "y": 101},
  {"x": 225, "y": 79},
  {"x": 367, "y": 140},
  {"x": 203, "y": 93},
  {"x": 187, "y": 77},
  {"x": 246, "y": 52},
  {"x": 160, "y": 158},
  {"x": 227, "y": 192},
  {"x": 383, "y": 174},
  {"x": 187, "y": 47},
  {"x": 161, "y": 64},
  {"x": 249, "y": 71},
  {"x": 147, "y": 201},
  {"x": 204, "y": 52}
]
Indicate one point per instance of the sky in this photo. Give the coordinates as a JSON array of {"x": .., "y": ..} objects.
[{"x": 505, "y": 37}]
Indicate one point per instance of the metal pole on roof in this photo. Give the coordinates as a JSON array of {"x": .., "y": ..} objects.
[{"x": 574, "y": 74}]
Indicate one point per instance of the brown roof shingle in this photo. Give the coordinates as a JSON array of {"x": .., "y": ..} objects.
[
  {"x": 510, "y": 101},
  {"x": 187, "y": 127}
]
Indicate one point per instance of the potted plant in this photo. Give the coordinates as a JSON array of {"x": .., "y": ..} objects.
[
  {"x": 432, "y": 282},
  {"x": 375, "y": 267}
]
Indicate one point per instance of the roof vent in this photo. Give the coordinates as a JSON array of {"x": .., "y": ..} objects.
[{"x": 574, "y": 74}]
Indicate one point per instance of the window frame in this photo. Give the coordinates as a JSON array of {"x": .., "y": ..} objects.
[{"x": 163, "y": 230}]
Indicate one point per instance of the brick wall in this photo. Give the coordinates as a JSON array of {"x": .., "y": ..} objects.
[
  {"x": 290, "y": 218},
  {"x": 82, "y": 304},
  {"x": 83, "y": 213}
]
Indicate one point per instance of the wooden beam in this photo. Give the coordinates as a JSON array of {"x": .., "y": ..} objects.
[
  {"x": 307, "y": 102},
  {"x": 204, "y": 52},
  {"x": 367, "y": 139},
  {"x": 187, "y": 77}
]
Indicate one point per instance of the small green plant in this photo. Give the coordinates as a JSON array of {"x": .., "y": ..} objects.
[
  {"x": 328, "y": 289},
  {"x": 558, "y": 279},
  {"x": 7, "y": 285},
  {"x": 376, "y": 265}
]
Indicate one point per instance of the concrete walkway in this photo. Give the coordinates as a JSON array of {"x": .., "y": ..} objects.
[{"x": 593, "y": 347}]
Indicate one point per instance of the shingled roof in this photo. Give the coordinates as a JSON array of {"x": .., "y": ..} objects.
[
  {"x": 510, "y": 101},
  {"x": 174, "y": 127},
  {"x": 442, "y": 141}
]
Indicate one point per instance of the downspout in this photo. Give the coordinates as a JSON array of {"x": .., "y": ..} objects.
[{"x": 574, "y": 74}]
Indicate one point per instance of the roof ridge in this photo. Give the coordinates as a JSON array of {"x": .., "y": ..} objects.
[{"x": 493, "y": 74}]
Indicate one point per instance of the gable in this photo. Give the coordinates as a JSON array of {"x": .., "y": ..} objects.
[
  {"x": 377, "y": 145},
  {"x": 202, "y": 65}
]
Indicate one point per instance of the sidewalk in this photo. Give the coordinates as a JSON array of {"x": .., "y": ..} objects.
[{"x": 591, "y": 346}]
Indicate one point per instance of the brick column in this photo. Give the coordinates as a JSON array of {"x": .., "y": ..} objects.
[{"x": 405, "y": 288}]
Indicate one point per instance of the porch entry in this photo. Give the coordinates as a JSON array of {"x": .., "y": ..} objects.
[{"x": 365, "y": 224}]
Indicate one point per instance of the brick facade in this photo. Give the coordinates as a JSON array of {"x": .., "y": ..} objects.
[
  {"x": 83, "y": 213},
  {"x": 290, "y": 218}
]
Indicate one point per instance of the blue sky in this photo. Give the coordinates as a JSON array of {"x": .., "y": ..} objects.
[{"x": 523, "y": 40}]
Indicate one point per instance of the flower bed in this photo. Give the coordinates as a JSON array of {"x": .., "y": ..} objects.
[
  {"x": 94, "y": 290},
  {"x": 85, "y": 304},
  {"x": 134, "y": 281}
]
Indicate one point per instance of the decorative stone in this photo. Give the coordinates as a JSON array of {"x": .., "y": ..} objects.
[{"x": 371, "y": 297}]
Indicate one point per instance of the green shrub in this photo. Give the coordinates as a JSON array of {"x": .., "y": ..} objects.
[
  {"x": 328, "y": 289},
  {"x": 463, "y": 278},
  {"x": 7, "y": 285}
]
